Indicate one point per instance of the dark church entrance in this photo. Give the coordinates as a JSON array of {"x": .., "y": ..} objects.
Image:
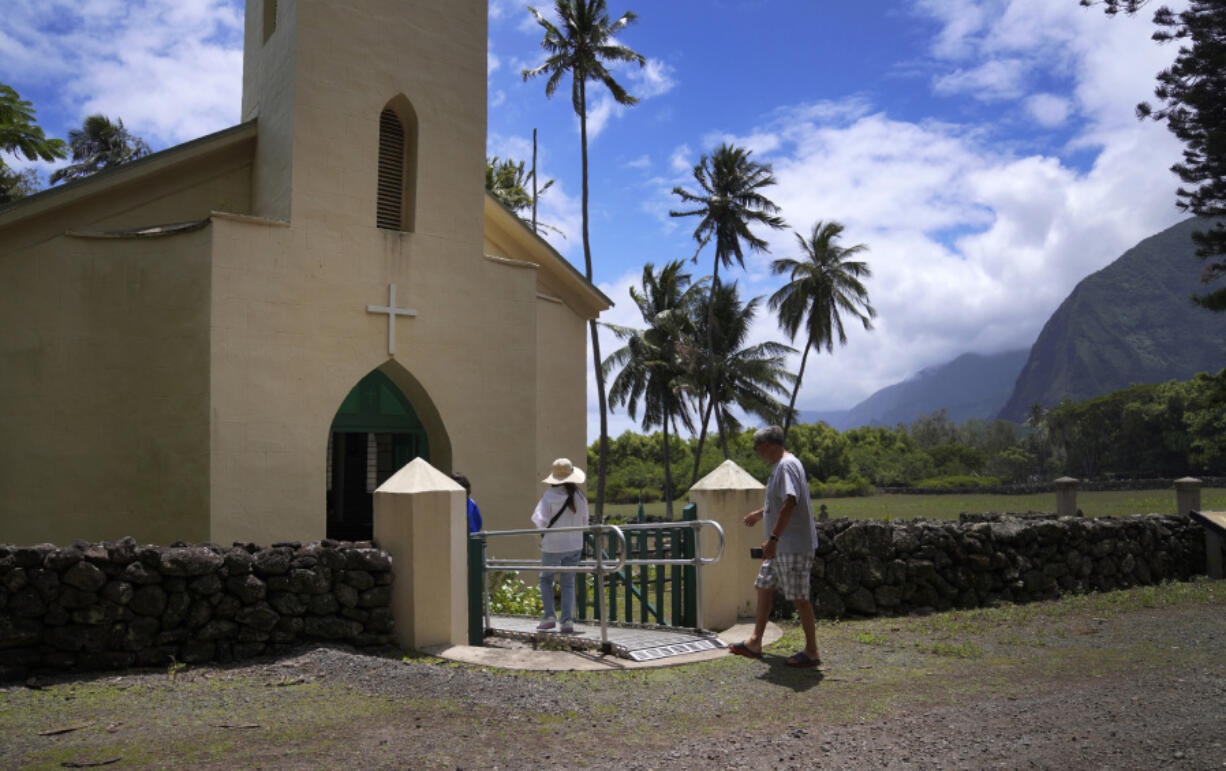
[{"x": 374, "y": 434}]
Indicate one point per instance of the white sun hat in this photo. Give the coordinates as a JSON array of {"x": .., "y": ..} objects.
[{"x": 564, "y": 471}]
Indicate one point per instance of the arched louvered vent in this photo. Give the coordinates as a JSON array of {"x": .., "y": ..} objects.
[
  {"x": 270, "y": 18},
  {"x": 390, "y": 212}
]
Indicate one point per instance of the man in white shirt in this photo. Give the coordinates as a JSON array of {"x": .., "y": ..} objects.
[{"x": 787, "y": 552}]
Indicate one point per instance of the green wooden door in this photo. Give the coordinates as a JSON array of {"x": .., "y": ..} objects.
[{"x": 374, "y": 434}]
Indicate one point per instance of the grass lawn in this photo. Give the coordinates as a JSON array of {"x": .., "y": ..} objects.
[{"x": 1094, "y": 504}]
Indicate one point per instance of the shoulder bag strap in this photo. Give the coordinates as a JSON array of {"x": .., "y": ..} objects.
[{"x": 570, "y": 503}]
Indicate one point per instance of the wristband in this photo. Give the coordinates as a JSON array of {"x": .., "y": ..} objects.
[{"x": 774, "y": 537}]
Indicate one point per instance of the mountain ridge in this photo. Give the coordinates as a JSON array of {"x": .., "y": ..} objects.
[
  {"x": 970, "y": 386},
  {"x": 1130, "y": 323}
]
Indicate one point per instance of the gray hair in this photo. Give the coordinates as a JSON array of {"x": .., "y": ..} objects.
[{"x": 768, "y": 435}]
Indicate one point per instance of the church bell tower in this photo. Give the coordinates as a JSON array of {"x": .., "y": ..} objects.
[{"x": 370, "y": 114}]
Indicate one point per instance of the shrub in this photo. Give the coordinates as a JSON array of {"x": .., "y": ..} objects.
[
  {"x": 853, "y": 486},
  {"x": 509, "y": 594},
  {"x": 945, "y": 483}
]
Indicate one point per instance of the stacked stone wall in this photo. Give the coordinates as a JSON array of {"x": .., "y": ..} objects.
[
  {"x": 118, "y": 604},
  {"x": 889, "y": 568},
  {"x": 1083, "y": 485}
]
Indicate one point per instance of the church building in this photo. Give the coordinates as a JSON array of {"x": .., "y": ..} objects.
[{"x": 240, "y": 337}]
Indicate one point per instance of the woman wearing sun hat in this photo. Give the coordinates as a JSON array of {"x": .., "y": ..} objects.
[{"x": 562, "y": 505}]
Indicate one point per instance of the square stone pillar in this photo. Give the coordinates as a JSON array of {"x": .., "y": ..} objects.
[
  {"x": 421, "y": 520},
  {"x": 1066, "y": 496},
  {"x": 1187, "y": 495},
  {"x": 725, "y": 496}
]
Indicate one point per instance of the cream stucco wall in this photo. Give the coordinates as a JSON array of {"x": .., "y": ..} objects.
[
  {"x": 104, "y": 389},
  {"x": 291, "y": 337}
]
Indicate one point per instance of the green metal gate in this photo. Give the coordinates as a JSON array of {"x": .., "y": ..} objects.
[{"x": 655, "y": 581}]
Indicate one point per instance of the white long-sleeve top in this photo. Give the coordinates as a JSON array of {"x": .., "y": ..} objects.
[{"x": 549, "y": 504}]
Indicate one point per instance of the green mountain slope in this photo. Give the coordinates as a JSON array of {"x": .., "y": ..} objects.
[{"x": 1127, "y": 324}]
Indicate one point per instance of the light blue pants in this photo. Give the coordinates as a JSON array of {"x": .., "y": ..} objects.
[{"x": 567, "y": 580}]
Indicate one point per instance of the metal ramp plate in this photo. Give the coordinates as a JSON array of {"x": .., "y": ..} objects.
[
  {"x": 679, "y": 649},
  {"x": 640, "y": 643}
]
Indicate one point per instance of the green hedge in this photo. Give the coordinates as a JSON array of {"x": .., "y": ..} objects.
[
  {"x": 958, "y": 481},
  {"x": 834, "y": 487}
]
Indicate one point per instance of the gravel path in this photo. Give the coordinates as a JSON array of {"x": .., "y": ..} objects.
[{"x": 1113, "y": 682}]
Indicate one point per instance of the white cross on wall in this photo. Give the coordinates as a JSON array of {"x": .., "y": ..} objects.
[{"x": 392, "y": 312}]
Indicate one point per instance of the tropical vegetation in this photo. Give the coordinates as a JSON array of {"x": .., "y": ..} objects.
[
  {"x": 728, "y": 202},
  {"x": 22, "y": 136},
  {"x": 823, "y": 284},
  {"x": 100, "y": 144},
  {"x": 509, "y": 183},
  {"x": 653, "y": 362},
  {"x": 1156, "y": 431}
]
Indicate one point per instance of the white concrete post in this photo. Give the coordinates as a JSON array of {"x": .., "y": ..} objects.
[
  {"x": 1187, "y": 495},
  {"x": 726, "y": 495},
  {"x": 1066, "y": 497},
  {"x": 421, "y": 520}
]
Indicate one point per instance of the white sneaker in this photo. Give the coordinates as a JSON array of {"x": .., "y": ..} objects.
[{"x": 567, "y": 629}]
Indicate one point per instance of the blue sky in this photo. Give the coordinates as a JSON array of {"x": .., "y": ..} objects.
[{"x": 986, "y": 151}]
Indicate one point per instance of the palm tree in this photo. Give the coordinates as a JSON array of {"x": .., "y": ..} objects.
[
  {"x": 729, "y": 200},
  {"x": 747, "y": 378},
  {"x": 653, "y": 361},
  {"x": 581, "y": 47},
  {"x": 508, "y": 182},
  {"x": 823, "y": 284},
  {"x": 505, "y": 181},
  {"x": 100, "y": 144}
]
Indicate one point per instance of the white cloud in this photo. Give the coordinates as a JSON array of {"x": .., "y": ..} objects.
[
  {"x": 641, "y": 162},
  {"x": 600, "y": 112},
  {"x": 185, "y": 55},
  {"x": 653, "y": 79},
  {"x": 1049, "y": 110},
  {"x": 499, "y": 9},
  {"x": 682, "y": 160},
  {"x": 492, "y": 62},
  {"x": 992, "y": 80}
]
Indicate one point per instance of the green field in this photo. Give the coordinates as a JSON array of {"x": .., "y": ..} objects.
[{"x": 1093, "y": 504}]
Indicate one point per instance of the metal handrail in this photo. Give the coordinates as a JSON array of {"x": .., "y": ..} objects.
[
  {"x": 694, "y": 524},
  {"x": 585, "y": 566}
]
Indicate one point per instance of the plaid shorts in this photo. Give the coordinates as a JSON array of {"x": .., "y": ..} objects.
[{"x": 790, "y": 572}]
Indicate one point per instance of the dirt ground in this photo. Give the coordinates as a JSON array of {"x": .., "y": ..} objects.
[{"x": 1130, "y": 679}]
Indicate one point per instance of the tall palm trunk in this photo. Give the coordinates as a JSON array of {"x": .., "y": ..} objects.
[
  {"x": 723, "y": 435},
  {"x": 787, "y": 419},
  {"x": 601, "y": 468},
  {"x": 714, "y": 384},
  {"x": 668, "y": 473},
  {"x": 702, "y": 436}
]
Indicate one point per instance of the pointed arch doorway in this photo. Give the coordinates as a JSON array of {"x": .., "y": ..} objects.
[{"x": 375, "y": 432}]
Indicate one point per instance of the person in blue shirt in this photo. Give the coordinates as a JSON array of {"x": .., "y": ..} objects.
[{"x": 474, "y": 514}]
